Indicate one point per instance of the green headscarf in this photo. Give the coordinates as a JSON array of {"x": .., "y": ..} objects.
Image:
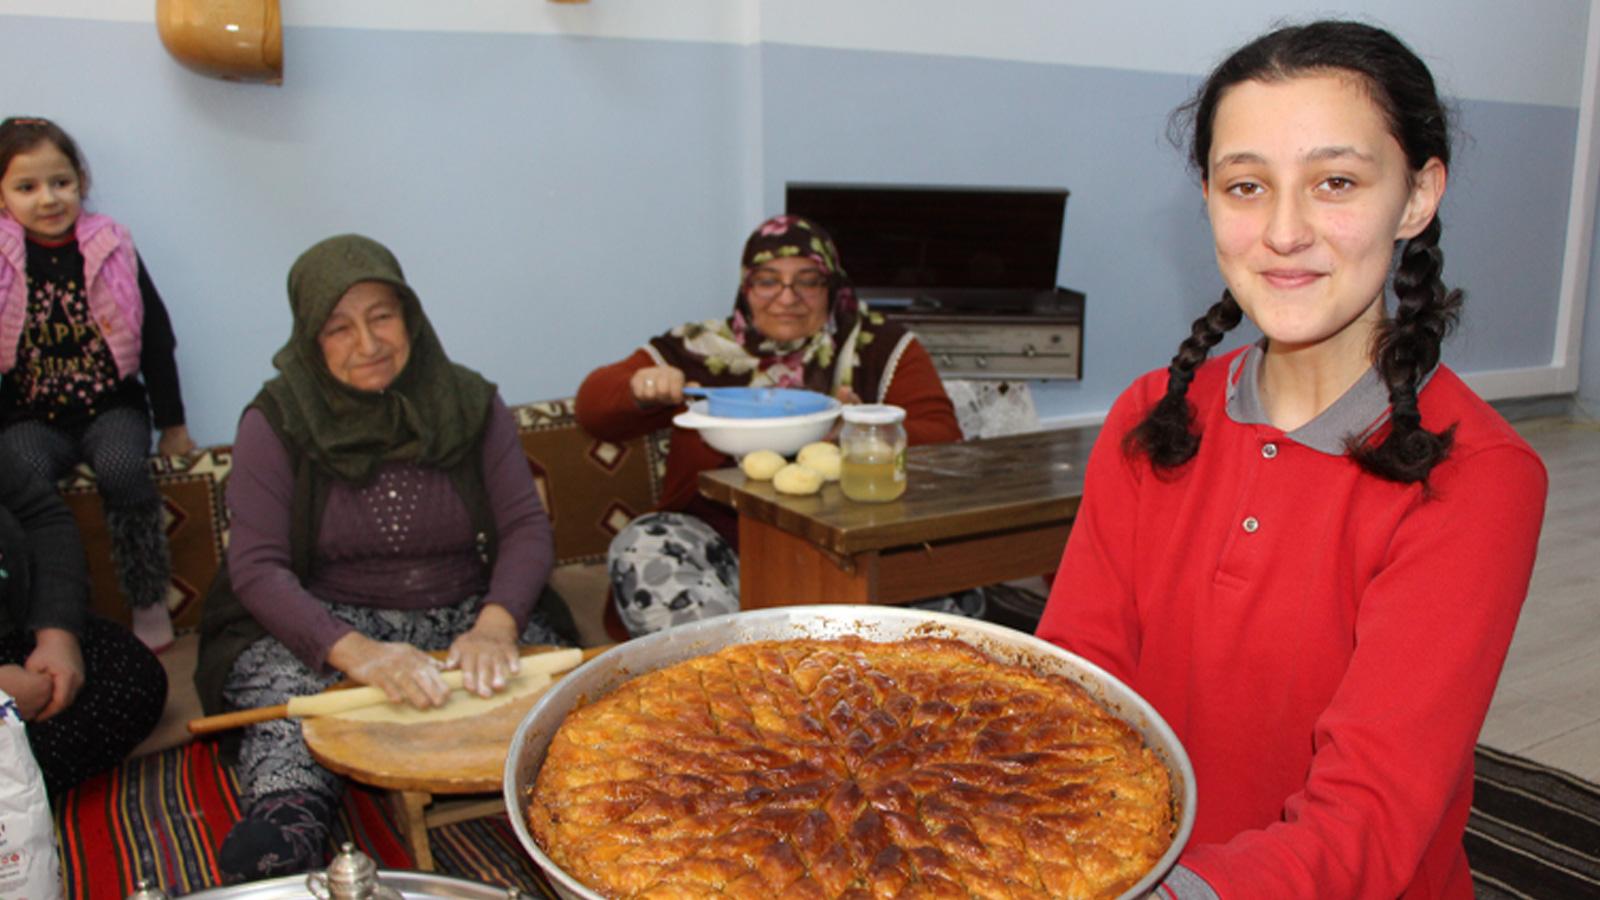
[{"x": 433, "y": 413}]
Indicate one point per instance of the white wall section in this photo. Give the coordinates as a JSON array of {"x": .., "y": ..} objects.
[{"x": 1465, "y": 40}]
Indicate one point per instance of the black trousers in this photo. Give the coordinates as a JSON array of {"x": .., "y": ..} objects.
[
  {"x": 116, "y": 445},
  {"x": 124, "y": 692}
]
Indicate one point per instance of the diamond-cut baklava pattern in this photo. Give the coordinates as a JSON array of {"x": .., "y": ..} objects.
[{"x": 851, "y": 768}]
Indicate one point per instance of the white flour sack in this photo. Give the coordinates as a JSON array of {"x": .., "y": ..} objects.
[{"x": 28, "y": 868}]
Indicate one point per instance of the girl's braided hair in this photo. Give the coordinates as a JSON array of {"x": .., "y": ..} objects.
[{"x": 1406, "y": 345}]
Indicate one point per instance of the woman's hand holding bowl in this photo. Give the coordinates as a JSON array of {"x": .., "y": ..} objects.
[
  {"x": 657, "y": 386},
  {"x": 846, "y": 395}
]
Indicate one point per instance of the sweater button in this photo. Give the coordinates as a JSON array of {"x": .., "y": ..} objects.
[
  {"x": 1251, "y": 525},
  {"x": 1270, "y": 451}
]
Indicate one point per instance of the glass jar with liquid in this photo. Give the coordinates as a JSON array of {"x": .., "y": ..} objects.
[{"x": 872, "y": 452}]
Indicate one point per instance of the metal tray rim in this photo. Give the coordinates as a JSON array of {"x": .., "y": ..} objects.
[
  {"x": 411, "y": 885},
  {"x": 640, "y": 656}
]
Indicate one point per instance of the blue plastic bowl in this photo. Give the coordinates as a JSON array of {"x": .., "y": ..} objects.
[{"x": 760, "y": 403}]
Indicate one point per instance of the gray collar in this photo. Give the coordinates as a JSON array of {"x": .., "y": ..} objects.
[{"x": 1357, "y": 413}]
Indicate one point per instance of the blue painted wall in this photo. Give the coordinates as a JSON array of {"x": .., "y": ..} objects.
[
  {"x": 553, "y": 200},
  {"x": 556, "y": 199},
  {"x": 1136, "y": 239}
]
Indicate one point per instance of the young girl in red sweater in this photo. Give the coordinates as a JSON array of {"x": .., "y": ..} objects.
[
  {"x": 80, "y": 323},
  {"x": 1310, "y": 553}
]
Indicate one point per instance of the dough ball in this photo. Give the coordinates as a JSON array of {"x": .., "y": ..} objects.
[
  {"x": 822, "y": 458},
  {"x": 762, "y": 464},
  {"x": 797, "y": 479},
  {"x": 816, "y": 448}
]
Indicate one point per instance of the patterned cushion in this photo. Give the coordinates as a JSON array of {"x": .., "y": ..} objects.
[
  {"x": 590, "y": 488},
  {"x": 163, "y": 817}
]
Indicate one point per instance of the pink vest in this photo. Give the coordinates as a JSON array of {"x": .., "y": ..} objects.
[{"x": 111, "y": 272}]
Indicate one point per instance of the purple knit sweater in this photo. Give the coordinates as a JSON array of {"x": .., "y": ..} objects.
[{"x": 402, "y": 542}]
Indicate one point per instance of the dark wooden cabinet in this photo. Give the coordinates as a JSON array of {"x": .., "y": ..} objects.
[{"x": 1038, "y": 340}]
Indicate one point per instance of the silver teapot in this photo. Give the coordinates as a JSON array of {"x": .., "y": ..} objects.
[{"x": 351, "y": 875}]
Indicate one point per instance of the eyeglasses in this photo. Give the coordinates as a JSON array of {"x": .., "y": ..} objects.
[{"x": 766, "y": 286}]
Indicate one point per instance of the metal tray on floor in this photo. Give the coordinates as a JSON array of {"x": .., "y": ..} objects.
[{"x": 411, "y": 885}]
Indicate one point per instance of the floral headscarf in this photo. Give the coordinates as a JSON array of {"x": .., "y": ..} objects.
[{"x": 852, "y": 348}]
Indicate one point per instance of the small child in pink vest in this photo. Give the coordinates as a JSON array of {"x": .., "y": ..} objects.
[{"x": 86, "y": 355}]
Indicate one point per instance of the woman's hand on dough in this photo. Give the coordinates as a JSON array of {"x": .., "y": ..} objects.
[
  {"x": 404, "y": 673},
  {"x": 657, "y": 386},
  {"x": 487, "y": 653},
  {"x": 57, "y": 656}
]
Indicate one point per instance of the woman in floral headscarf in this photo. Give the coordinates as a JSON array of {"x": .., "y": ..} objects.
[{"x": 796, "y": 323}]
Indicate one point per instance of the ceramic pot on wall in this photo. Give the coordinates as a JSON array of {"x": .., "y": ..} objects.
[{"x": 236, "y": 40}]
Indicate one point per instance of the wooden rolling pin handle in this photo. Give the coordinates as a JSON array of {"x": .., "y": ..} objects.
[
  {"x": 347, "y": 696},
  {"x": 227, "y": 721}
]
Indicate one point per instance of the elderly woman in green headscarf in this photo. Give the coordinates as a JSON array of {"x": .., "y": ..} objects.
[{"x": 381, "y": 507}]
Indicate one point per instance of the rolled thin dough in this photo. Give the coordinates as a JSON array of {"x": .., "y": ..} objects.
[
  {"x": 461, "y": 704},
  {"x": 334, "y": 702}
]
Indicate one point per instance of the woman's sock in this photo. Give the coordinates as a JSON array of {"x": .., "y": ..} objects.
[{"x": 284, "y": 834}]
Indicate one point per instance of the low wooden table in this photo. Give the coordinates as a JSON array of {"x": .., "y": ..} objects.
[
  {"x": 416, "y": 763},
  {"x": 974, "y": 513}
]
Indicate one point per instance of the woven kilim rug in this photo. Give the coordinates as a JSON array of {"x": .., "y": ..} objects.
[
  {"x": 162, "y": 817},
  {"x": 1534, "y": 831}
]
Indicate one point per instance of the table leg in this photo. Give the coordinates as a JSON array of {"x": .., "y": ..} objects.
[
  {"x": 443, "y": 814},
  {"x": 777, "y": 568},
  {"x": 410, "y": 809}
]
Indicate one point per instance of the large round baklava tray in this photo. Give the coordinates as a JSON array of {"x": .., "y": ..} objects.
[{"x": 847, "y": 751}]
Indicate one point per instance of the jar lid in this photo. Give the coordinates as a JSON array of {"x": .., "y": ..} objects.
[{"x": 873, "y": 414}]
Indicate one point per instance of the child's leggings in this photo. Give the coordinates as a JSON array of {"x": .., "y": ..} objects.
[{"x": 116, "y": 445}]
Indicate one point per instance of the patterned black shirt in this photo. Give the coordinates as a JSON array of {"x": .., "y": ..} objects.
[{"x": 65, "y": 373}]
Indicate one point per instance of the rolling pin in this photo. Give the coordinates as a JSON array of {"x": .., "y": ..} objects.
[{"x": 338, "y": 700}]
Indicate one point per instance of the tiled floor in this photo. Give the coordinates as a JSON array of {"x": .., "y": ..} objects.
[{"x": 1547, "y": 707}]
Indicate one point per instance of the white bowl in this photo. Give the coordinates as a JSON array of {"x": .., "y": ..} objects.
[{"x": 736, "y": 437}]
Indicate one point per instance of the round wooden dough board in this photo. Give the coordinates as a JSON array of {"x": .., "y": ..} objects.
[
  {"x": 448, "y": 756},
  {"x": 452, "y": 756}
]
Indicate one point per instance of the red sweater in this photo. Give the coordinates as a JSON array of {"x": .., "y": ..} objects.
[
  {"x": 605, "y": 409},
  {"x": 1325, "y": 643}
]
